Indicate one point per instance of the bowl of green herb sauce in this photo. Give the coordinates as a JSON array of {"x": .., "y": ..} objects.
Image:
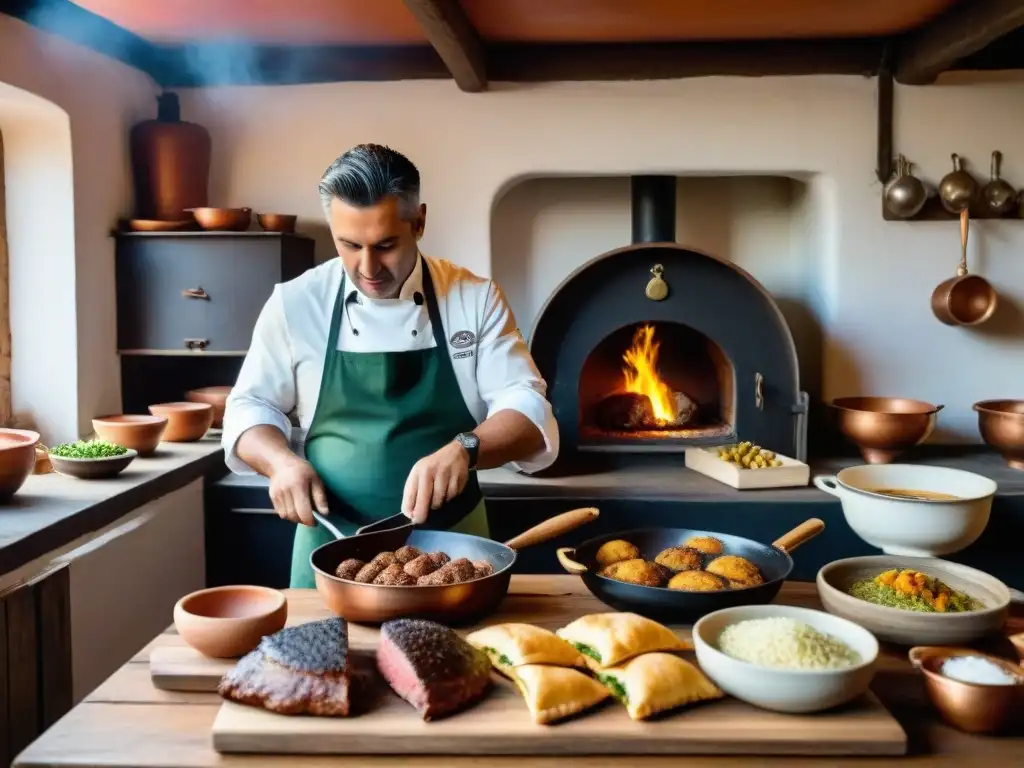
[{"x": 91, "y": 459}]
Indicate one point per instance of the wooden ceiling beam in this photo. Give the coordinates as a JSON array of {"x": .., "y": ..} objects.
[
  {"x": 965, "y": 29},
  {"x": 455, "y": 39}
]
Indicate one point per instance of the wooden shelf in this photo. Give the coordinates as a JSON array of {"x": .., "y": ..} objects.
[{"x": 209, "y": 233}]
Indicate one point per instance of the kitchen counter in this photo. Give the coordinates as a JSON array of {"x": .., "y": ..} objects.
[{"x": 128, "y": 722}]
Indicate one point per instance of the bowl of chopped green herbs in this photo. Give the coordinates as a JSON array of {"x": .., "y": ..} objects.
[
  {"x": 91, "y": 459},
  {"x": 914, "y": 600}
]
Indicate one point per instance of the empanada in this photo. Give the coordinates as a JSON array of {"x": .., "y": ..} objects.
[
  {"x": 555, "y": 693},
  {"x": 606, "y": 639},
  {"x": 513, "y": 645},
  {"x": 657, "y": 682}
]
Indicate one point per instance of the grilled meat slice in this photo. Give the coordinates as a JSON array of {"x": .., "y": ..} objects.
[
  {"x": 431, "y": 667},
  {"x": 299, "y": 670}
]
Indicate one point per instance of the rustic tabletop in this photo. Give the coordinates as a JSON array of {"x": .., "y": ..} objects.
[{"x": 128, "y": 722}]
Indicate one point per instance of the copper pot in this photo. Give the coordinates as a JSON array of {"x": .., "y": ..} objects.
[
  {"x": 964, "y": 299},
  {"x": 957, "y": 189},
  {"x": 884, "y": 427},
  {"x": 223, "y": 219},
  {"x": 1001, "y": 424},
  {"x": 277, "y": 222}
]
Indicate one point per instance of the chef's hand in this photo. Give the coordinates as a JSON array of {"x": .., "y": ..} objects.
[
  {"x": 435, "y": 479},
  {"x": 293, "y": 485}
]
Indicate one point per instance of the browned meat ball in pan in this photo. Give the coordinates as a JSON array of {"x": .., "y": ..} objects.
[
  {"x": 636, "y": 571},
  {"x": 680, "y": 559},
  {"x": 394, "y": 576},
  {"x": 349, "y": 568},
  {"x": 406, "y": 554},
  {"x": 462, "y": 568},
  {"x": 421, "y": 566},
  {"x": 439, "y": 558},
  {"x": 385, "y": 558},
  {"x": 369, "y": 572},
  {"x": 482, "y": 569},
  {"x": 436, "y": 579}
]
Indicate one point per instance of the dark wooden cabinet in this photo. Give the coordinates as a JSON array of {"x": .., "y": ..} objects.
[
  {"x": 187, "y": 303},
  {"x": 189, "y": 292}
]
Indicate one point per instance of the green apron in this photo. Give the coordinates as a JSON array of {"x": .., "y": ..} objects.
[{"x": 379, "y": 413}]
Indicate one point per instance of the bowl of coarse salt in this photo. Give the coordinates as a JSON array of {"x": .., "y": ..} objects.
[
  {"x": 973, "y": 691},
  {"x": 784, "y": 658}
]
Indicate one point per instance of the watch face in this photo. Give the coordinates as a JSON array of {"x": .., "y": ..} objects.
[{"x": 469, "y": 440}]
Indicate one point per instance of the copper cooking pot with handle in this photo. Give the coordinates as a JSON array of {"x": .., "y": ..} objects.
[{"x": 965, "y": 299}]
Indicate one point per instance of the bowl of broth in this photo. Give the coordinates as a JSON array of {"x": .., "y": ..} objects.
[{"x": 914, "y": 510}]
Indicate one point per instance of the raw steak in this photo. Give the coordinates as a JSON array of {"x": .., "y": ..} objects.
[
  {"x": 299, "y": 670},
  {"x": 431, "y": 667}
]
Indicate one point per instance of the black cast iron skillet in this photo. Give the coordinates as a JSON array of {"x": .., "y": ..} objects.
[
  {"x": 449, "y": 604},
  {"x": 678, "y": 606}
]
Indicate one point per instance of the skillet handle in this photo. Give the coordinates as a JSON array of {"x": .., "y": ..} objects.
[
  {"x": 803, "y": 533},
  {"x": 322, "y": 520},
  {"x": 555, "y": 526},
  {"x": 565, "y": 558}
]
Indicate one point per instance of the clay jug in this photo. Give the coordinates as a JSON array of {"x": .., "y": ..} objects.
[{"x": 170, "y": 163}]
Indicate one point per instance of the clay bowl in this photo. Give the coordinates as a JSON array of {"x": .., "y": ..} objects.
[
  {"x": 277, "y": 222},
  {"x": 223, "y": 219},
  {"x": 1018, "y": 644},
  {"x": 214, "y": 396},
  {"x": 971, "y": 707},
  {"x": 186, "y": 422},
  {"x": 140, "y": 432},
  {"x": 93, "y": 469},
  {"x": 227, "y": 622},
  {"x": 884, "y": 427},
  {"x": 17, "y": 459},
  {"x": 912, "y": 627},
  {"x": 1001, "y": 424}
]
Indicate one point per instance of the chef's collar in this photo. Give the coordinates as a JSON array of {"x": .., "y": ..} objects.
[{"x": 412, "y": 289}]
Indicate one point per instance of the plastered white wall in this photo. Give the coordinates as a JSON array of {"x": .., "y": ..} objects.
[{"x": 871, "y": 280}]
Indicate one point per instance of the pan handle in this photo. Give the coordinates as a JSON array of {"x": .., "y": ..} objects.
[
  {"x": 827, "y": 483},
  {"x": 803, "y": 533},
  {"x": 565, "y": 558},
  {"x": 331, "y": 529},
  {"x": 555, "y": 526}
]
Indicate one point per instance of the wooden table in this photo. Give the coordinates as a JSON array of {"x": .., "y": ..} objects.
[{"x": 128, "y": 722}]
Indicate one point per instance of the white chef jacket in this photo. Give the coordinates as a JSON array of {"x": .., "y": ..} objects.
[{"x": 282, "y": 370}]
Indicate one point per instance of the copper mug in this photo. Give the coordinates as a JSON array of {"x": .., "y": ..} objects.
[{"x": 965, "y": 299}]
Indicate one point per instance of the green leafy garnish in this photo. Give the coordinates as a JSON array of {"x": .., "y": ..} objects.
[
  {"x": 503, "y": 660},
  {"x": 586, "y": 650},
  {"x": 614, "y": 685},
  {"x": 88, "y": 449}
]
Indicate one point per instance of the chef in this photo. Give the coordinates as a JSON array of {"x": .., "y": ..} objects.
[{"x": 407, "y": 373}]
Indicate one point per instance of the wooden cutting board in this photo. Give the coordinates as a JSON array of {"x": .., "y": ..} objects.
[
  {"x": 180, "y": 668},
  {"x": 501, "y": 725}
]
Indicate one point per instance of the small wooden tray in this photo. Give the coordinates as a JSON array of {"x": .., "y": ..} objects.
[
  {"x": 792, "y": 473},
  {"x": 181, "y": 668}
]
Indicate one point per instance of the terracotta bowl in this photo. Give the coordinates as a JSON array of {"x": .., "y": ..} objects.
[
  {"x": 913, "y": 627},
  {"x": 884, "y": 427},
  {"x": 140, "y": 432},
  {"x": 1001, "y": 423},
  {"x": 17, "y": 459},
  {"x": 223, "y": 219},
  {"x": 227, "y": 622},
  {"x": 92, "y": 469},
  {"x": 186, "y": 422},
  {"x": 215, "y": 396},
  {"x": 971, "y": 707},
  {"x": 277, "y": 222}
]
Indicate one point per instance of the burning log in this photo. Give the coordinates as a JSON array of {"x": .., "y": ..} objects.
[{"x": 629, "y": 411}]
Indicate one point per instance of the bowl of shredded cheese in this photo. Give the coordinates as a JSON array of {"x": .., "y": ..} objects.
[{"x": 785, "y": 658}]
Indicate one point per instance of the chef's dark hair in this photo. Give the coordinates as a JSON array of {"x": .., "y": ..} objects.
[{"x": 366, "y": 174}]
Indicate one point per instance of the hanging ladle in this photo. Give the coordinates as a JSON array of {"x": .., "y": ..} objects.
[{"x": 964, "y": 299}]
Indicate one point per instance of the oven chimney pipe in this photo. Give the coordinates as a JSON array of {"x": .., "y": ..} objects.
[{"x": 654, "y": 209}]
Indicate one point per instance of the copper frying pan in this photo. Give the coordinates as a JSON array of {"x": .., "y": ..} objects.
[{"x": 450, "y": 604}]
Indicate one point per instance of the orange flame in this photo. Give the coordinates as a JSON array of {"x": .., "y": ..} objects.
[{"x": 642, "y": 377}]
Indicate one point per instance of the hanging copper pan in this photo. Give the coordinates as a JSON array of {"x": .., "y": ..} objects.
[{"x": 965, "y": 299}]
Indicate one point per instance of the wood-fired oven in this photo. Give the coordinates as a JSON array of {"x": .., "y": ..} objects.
[{"x": 656, "y": 347}]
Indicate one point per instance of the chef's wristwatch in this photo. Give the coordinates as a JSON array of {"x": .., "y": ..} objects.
[{"x": 471, "y": 443}]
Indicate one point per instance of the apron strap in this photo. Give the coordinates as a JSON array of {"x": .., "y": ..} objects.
[{"x": 430, "y": 296}]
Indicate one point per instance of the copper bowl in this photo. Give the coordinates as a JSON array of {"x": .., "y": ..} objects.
[
  {"x": 223, "y": 219},
  {"x": 186, "y": 422},
  {"x": 140, "y": 432},
  {"x": 215, "y": 396},
  {"x": 1001, "y": 423},
  {"x": 227, "y": 622},
  {"x": 884, "y": 427},
  {"x": 277, "y": 222},
  {"x": 17, "y": 459},
  {"x": 971, "y": 707}
]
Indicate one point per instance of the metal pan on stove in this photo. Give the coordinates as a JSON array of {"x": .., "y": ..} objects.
[{"x": 679, "y": 606}]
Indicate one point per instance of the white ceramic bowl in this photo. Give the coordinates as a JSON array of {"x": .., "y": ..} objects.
[
  {"x": 786, "y": 690},
  {"x": 913, "y": 527}
]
